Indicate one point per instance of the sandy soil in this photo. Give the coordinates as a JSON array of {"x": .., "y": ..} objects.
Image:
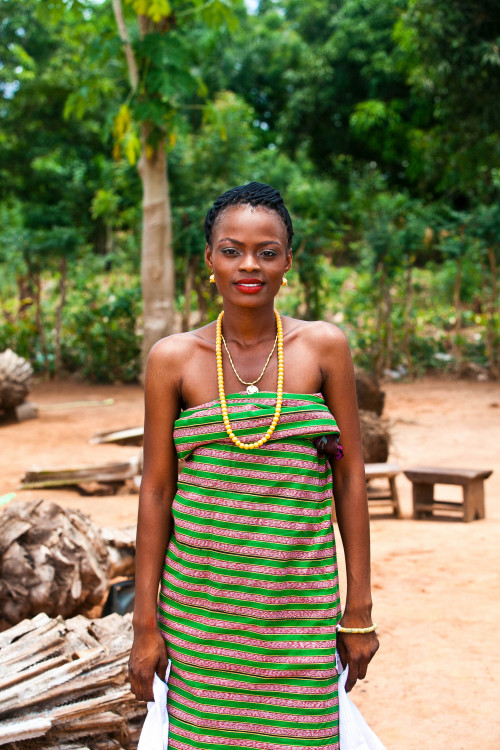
[{"x": 434, "y": 683}]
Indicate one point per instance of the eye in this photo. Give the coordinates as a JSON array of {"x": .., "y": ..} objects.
[
  {"x": 269, "y": 253},
  {"x": 229, "y": 251}
]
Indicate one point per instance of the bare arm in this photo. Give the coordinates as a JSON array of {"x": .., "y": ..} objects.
[
  {"x": 349, "y": 489},
  {"x": 158, "y": 487}
]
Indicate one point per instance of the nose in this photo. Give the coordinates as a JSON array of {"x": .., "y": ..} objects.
[{"x": 249, "y": 262}]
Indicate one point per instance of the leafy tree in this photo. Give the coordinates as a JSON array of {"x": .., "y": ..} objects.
[
  {"x": 452, "y": 61},
  {"x": 159, "y": 62},
  {"x": 50, "y": 166}
]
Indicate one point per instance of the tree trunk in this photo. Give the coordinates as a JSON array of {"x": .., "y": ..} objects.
[
  {"x": 37, "y": 283},
  {"x": 25, "y": 287},
  {"x": 380, "y": 355},
  {"x": 492, "y": 331},
  {"x": 202, "y": 304},
  {"x": 62, "y": 302},
  {"x": 407, "y": 319},
  {"x": 157, "y": 259},
  {"x": 188, "y": 288},
  {"x": 458, "y": 317},
  {"x": 388, "y": 327}
]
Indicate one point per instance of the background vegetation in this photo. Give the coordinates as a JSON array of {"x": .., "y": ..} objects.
[{"x": 377, "y": 119}]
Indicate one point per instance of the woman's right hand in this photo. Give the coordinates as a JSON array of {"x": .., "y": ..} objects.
[{"x": 148, "y": 655}]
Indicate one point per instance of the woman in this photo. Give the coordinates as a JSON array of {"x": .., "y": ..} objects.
[{"x": 249, "y": 598}]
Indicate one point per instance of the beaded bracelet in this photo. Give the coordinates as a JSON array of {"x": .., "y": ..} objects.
[{"x": 341, "y": 629}]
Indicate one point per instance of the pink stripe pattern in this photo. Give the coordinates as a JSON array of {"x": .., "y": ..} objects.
[{"x": 249, "y": 594}]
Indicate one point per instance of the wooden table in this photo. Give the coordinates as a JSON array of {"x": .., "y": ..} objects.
[
  {"x": 382, "y": 495},
  {"x": 423, "y": 479}
]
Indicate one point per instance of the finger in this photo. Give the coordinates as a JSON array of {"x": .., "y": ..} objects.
[
  {"x": 352, "y": 676},
  {"x": 134, "y": 687},
  {"x": 147, "y": 687},
  {"x": 342, "y": 653},
  {"x": 362, "y": 669},
  {"x": 161, "y": 667}
]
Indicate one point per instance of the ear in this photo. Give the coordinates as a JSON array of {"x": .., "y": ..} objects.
[
  {"x": 288, "y": 263},
  {"x": 208, "y": 256}
]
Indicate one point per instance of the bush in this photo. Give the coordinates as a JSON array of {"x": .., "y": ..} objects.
[{"x": 100, "y": 339}]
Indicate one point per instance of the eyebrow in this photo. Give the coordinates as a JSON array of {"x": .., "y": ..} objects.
[{"x": 259, "y": 244}]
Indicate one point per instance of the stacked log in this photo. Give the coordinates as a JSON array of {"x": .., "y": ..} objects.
[
  {"x": 370, "y": 396},
  {"x": 15, "y": 379},
  {"x": 64, "y": 685},
  {"x": 52, "y": 560},
  {"x": 15, "y": 384},
  {"x": 375, "y": 438}
]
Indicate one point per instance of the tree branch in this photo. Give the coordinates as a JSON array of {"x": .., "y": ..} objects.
[{"x": 129, "y": 53}]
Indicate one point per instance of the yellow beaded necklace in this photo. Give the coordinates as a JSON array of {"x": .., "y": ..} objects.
[{"x": 222, "y": 395}]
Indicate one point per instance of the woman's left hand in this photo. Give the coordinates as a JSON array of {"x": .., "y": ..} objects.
[
  {"x": 356, "y": 650},
  {"x": 327, "y": 445}
]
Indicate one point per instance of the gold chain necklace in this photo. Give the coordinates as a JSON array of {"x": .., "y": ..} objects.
[
  {"x": 252, "y": 388},
  {"x": 222, "y": 395}
]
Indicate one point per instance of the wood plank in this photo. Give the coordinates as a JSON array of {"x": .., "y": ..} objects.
[
  {"x": 15, "y": 731},
  {"x": 31, "y": 691},
  {"x": 379, "y": 496},
  {"x": 127, "y": 436},
  {"x": 374, "y": 471},
  {"x": 47, "y": 637},
  {"x": 449, "y": 505},
  {"x": 33, "y": 671},
  {"x": 87, "y": 707},
  {"x": 23, "y": 627},
  {"x": 37, "y": 478},
  {"x": 434, "y": 475},
  {"x": 106, "y": 721}
]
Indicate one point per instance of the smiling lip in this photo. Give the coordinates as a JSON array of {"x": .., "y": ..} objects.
[{"x": 249, "y": 286}]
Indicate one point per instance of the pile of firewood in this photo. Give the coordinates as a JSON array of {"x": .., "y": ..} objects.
[
  {"x": 375, "y": 435},
  {"x": 64, "y": 685},
  {"x": 56, "y": 560}
]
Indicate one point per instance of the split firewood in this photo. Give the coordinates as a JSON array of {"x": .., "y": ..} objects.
[
  {"x": 73, "y": 691},
  {"x": 128, "y": 436},
  {"x": 114, "y": 472}
]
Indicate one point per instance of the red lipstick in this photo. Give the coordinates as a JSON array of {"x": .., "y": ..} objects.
[{"x": 249, "y": 286}]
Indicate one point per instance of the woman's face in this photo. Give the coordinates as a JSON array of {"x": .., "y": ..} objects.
[{"x": 249, "y": 254}]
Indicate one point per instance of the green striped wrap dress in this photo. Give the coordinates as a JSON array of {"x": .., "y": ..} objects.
[{"x": 249, "y": 594}]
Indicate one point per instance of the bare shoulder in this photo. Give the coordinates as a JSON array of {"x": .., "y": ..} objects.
[
  {"x": 173, "y": 350},
  {"x": 319, "y": 333}
]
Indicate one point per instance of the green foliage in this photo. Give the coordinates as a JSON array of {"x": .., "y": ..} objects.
[
  {"x": 101, "y": 342},
  {"x": 100, "y": 336},
  {"x": 377, "y": 120}
]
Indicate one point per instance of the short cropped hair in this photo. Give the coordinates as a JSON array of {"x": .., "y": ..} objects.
[{"x": 252, "y": 194}]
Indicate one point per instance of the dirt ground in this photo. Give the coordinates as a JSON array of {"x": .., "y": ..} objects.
[{"x": 434, "y": 683}]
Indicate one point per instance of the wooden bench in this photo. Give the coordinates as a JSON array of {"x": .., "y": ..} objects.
[
  {"x": 381, "y": 495},
  {"x": 423, "y": 479}
]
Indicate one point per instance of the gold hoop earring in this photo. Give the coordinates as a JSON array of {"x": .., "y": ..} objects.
[
  {"x": 284, "y": 281},
  {"x": 212, "y": 278}
]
